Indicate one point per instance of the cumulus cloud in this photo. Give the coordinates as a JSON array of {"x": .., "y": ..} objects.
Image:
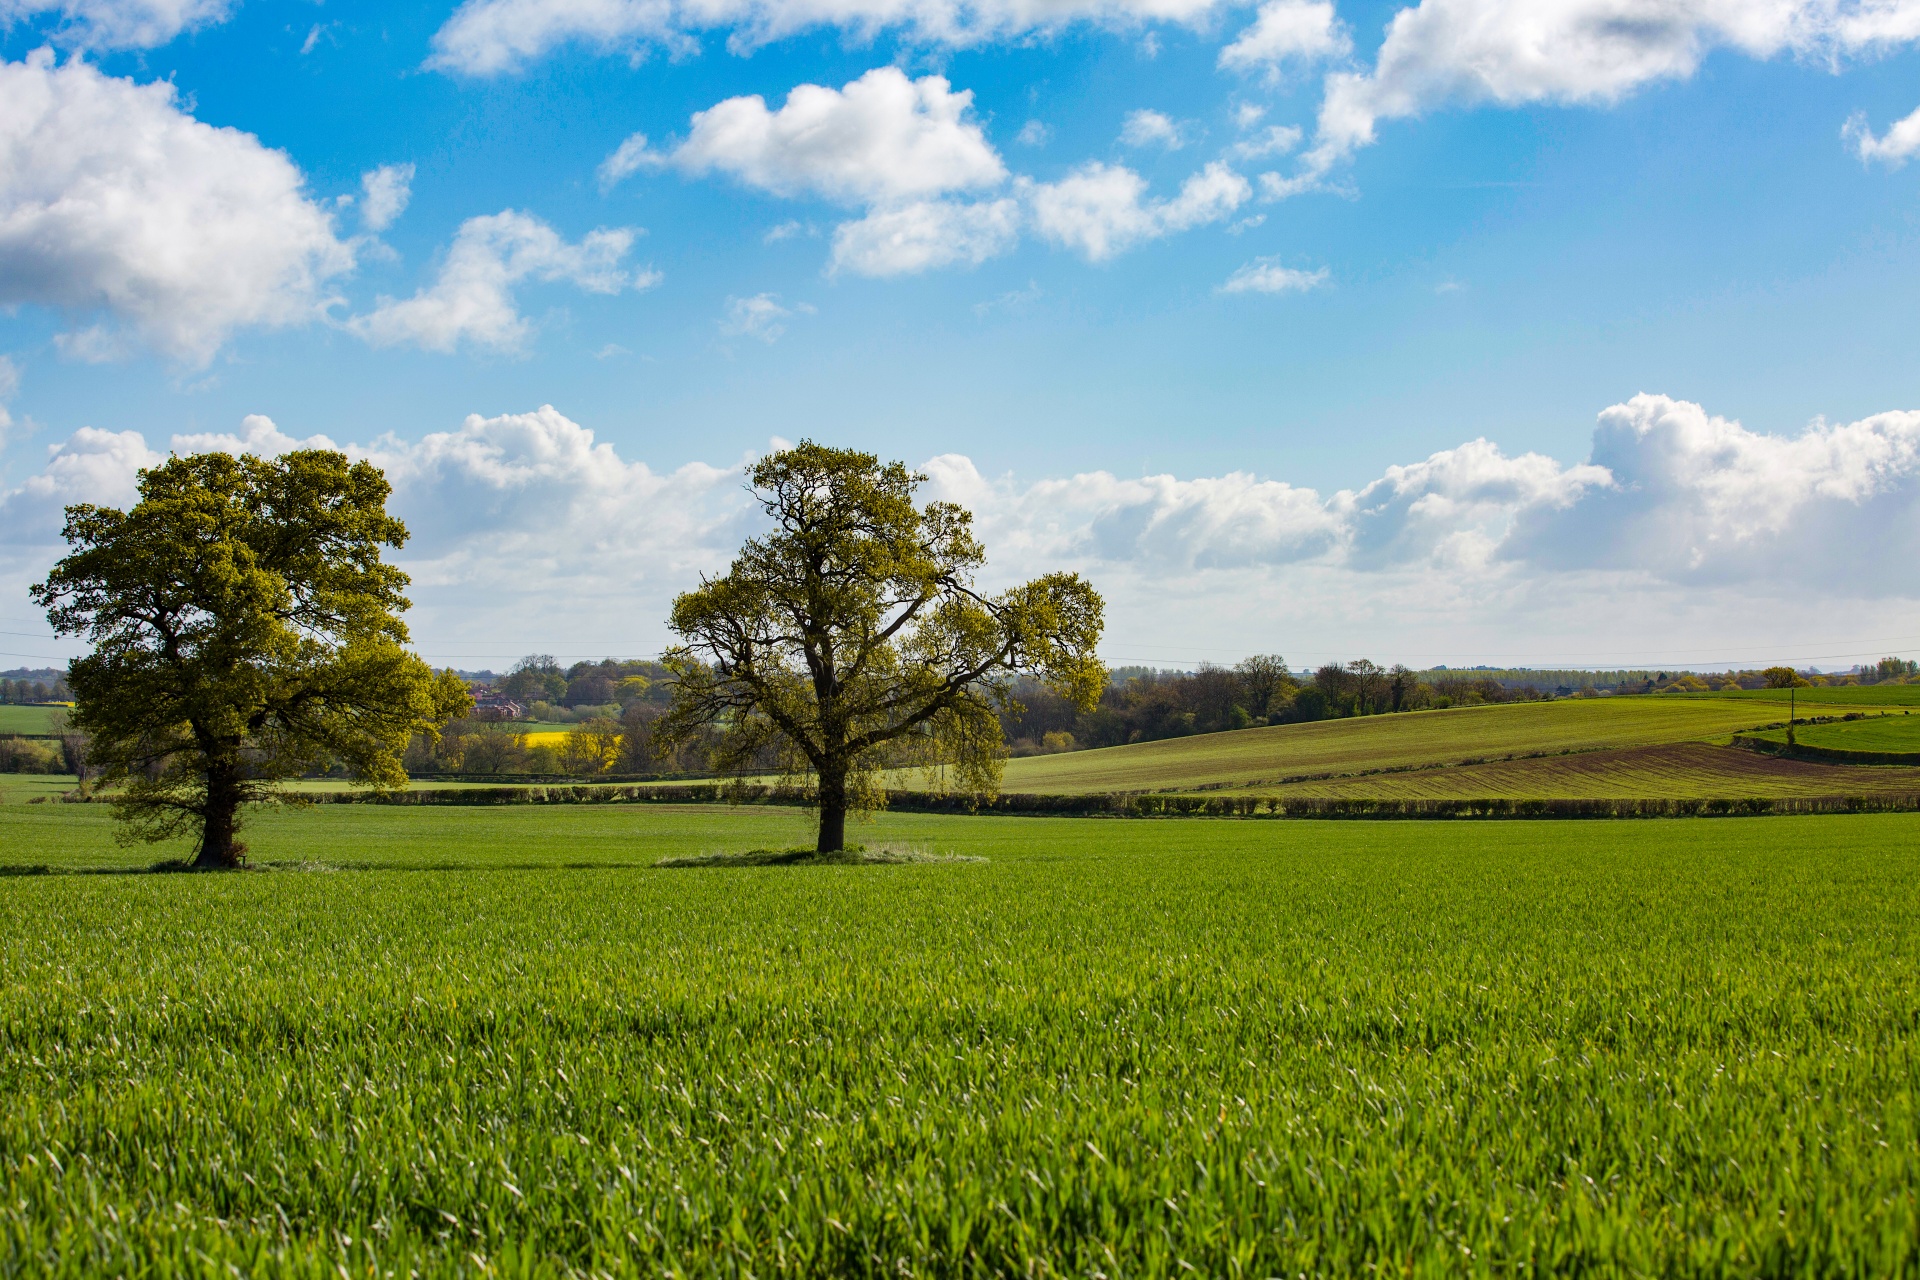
[
  {"x": 117, "y": 24},
  {"x": 1102, "y": 209},
  {"x": 113, "y": 199},
  {"x": 1678, "y": 523},
  {"x": 1266, "y": 275},
  {"x": 384, "y": 195},
  {"x": 1893, "y": 148},
  {"x": 487, "y": 37},
  {"x": 472, "y": 298},
  {"x": 925, "y": 174},
  {"x": 1512, "y": 52},
  {"x": 1286, "y": 32},
  {"x": 881, "y": 138},
  {"x": 1146, "y": 128},
  {"x": 923, "y": 235}
]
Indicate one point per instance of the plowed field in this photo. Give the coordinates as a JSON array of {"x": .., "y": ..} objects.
[
  {"x": 1272, "y": 758},
  {"x": 1681, "y": 771}
]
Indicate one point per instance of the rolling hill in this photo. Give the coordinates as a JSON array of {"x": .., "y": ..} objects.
[{"x": 1536, "y": 749}]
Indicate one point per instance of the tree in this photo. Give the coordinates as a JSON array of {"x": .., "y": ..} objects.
[
  {"x": 1401, "y": 684},
  {"x": 1263, "y": 679},
  {"x": 592, "y": 746},
  {"x": 851, "y": 638},
  {"x": 244, "y": 631},
  {"x": 1369, "y": 683},
  {"x": 1792, "y": 681},
  {"x": 535, "y": 677}
]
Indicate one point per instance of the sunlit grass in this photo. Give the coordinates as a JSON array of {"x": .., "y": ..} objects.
[{"x": 500, "y": 1038}]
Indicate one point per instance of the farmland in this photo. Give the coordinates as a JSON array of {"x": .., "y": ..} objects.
[
  {"x": 1852, "y": 697},
  {"x": 1875, "y": 733},
  {"x": 30, "y": 719},
  {"x": 1678, "y": 771},
  {"x": 1270, "y": 759},
  {"x": 495, "y": 1038}
]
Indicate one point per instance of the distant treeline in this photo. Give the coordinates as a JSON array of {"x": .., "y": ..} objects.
[
  {"x": 25, "y": 686},
  {"x": 611, "y": 707}
]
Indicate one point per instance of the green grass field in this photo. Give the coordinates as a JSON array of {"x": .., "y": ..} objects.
[
  {"x": 1875, "y": 733},
  {"x": 19, "y": 788},
  {"x": 496, "y": 1040},
  {"x": 29, "y": 719},
  {"x": 1268, "y": 759},
  {"x": 1849, "y": 696}
]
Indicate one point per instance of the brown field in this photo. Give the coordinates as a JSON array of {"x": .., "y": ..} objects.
[{"x": 1681, "y": 771}]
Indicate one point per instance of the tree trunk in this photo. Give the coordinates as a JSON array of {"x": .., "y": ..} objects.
[
  {"x": 833, "y": 810},
  {"x": 218, "y": 849}
]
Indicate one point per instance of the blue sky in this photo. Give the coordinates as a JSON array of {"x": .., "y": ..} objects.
[{"x": 1548, "y": 218}]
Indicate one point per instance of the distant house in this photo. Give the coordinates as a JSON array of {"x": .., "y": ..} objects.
[{"x": 493, "y": 706}]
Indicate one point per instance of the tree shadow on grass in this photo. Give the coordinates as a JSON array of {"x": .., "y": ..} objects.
[
  {"x": 853, "y": 856},
  {"x": 176, "y": 867}
]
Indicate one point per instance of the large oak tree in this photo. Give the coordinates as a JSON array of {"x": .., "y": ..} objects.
[
  {"x": 852, "y": 639},
  {"x": 244, "y": 631}
]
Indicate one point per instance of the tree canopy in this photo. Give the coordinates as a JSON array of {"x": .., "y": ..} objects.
[
  {"x": 851, "y": 638},
  {"x": 244, "y": 630}
]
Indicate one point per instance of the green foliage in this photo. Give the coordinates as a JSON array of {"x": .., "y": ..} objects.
[
  {"x": 244, "y": 630},
  {"x": 851, "y": 638},
  {"x": 1131, "y": 1048}
]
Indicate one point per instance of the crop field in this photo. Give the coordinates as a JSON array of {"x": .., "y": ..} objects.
[
  {"x": 441, "y": 1042},
  {"x": 1266, "y": 759},
  {"x": 1875, "y": 733},
  {"x": 15, "y": 719},
  {"x": 1682, "y": 771},
  {"x": 18, "y": 788},
  {"x": 1851, "y": 697}
]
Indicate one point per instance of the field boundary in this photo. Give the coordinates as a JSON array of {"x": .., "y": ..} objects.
[{"x": 1133, "y": 805}]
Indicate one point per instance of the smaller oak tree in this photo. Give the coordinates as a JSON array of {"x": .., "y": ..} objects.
[
  {"x": 244, "y": 631},
  {"x": 851, "y": 639}
]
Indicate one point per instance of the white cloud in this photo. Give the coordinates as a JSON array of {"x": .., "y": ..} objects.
[
  {"x": 881, "y": 138},
  {"x": 1266, "y": 275},
  {"x": 923, "y": 235},
  {"x": 113, "y": 199},
  {"x": 1893, "y": 149},
  {"x": 9, "y": 386},
  {"x": 631, "y": 156},
  {"x": 1511, "y": 52},
  {"x": 89, "y": 466},
  {"x": 1146, "y": 128},
  {"x": 118, "y": 24},
  {"x": 1274, "y": 140},
  {"x": 386, "y": 191},
  {"x": 472, "y": 298},
  {"x": 1034, "y": 133},
  {"x": 1680, "y": 525},
  {"x": 760, "y": 316},
  {"x": 1288, "y": 32},
  {"x": 905, "y": 150},
  {"x": 487, "y": 37},
  {"x": 1101, "y": 209}
]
